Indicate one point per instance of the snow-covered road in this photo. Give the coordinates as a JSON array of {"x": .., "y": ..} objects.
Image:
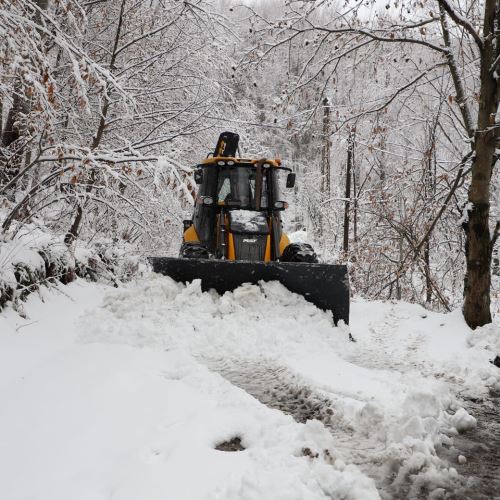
[{"x": 126, "y": 393}]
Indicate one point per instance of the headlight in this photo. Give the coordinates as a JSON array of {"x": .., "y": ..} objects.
[
  {"x": 221, "y": 163},
  {"x": 279, "y": 205},
  {"x": 230, "y": 162},
  {"x": 208, "y": 200},
  {"x": 266, "y": 165}
]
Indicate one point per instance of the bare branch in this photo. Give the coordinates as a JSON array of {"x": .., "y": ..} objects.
[{"x": 462, "y": 21}]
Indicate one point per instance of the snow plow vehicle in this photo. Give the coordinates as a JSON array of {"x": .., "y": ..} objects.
[{"x": 235, "y": 235}]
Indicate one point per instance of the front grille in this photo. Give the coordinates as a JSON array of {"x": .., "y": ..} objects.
[{"x": 250, "y": 246}]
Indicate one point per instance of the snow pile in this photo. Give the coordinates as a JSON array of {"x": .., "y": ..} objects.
[
  {"x": 393, "y": 391},
  {"x": 30, "y": 258},
  {"x": 251, "y": 322},
  {"x": 462, "y": 421},
  {"x": 130, "y": 423},
  {"x": 13, "y": 254},
  {"x": 133, "y": 397},
  {"x": 442, "y": 346},
  {"x": 299, "y": 236}
]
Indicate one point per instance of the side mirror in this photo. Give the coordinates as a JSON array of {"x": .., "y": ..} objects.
[
  {"x": 198, "y": 176},
  {"x": 290, "y": 180}
]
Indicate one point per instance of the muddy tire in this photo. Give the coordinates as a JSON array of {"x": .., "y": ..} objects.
[
  {"x": 299, "y": 252},
  {"x": 191, "y": 250}
]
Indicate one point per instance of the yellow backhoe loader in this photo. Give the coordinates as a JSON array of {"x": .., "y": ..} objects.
[{"x": 235, "y": 235}]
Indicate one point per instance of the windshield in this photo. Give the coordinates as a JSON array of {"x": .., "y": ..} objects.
[{"x": 237, "y": 186}]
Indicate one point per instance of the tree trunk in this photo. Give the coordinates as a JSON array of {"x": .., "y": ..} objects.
[
  {"x": 12, "y": 130},
  {"x": 478, "y": 243},
  {"x": 1, "y": 119},
  {"x": 12, "y": 134},
  {"x": 354, "y": 206},
  {"x": 72, "y": 234},
  {"x": 429, "y": 193},
  {"x": 16, "y": 118},
  {"x": 325, "y": 151},
  {"x": 427, "y": 269},
  {"x": 348, "y": 173}
]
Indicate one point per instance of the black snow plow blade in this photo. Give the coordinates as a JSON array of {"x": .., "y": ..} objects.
[{"x": 325, "y": 285}]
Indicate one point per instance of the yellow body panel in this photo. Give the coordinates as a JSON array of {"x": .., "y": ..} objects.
[
  {"x": 284, "y": 242},
  {"x": 190, "y": 234},
  {"x": 231, "y": 253},
  {"x": 267, "y": 255}
]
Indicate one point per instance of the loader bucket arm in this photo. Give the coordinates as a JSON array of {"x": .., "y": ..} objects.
[
  {"x": 227, "y": 145},
  {"x": 325, "y": 285}
]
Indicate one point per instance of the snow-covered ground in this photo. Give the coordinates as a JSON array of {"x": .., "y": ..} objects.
[{"x": 126, "y": 394}]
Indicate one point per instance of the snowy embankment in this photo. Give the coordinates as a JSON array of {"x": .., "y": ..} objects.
[
  {"x": 126, "y": 393},
  {"x": 34, "y": 256}
]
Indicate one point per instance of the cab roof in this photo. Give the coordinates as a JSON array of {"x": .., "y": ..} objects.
[{"x": 214, "y": 159}]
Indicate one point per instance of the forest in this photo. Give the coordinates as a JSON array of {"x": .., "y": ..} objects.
[{"x": 388, "y": 113}]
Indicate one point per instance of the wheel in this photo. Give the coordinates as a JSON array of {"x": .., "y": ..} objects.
[
  {"x": 299, "y": 252},
  {"x": 190, "y": 250}
]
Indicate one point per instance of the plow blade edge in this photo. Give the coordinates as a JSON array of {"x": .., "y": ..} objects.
[{"x": 325, "y": 285}]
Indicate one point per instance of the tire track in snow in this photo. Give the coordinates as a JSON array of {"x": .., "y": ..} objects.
[
  {"x": 279, "y": 388},
  {"x": 276, "y": 387},
  {"x": 481, "y": 447},
  {"x": 384, "y": 350}
]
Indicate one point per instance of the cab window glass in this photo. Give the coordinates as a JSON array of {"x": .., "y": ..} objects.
[
  {"x": 224, "y": 187},
  {"x": 237, "y": 184}
]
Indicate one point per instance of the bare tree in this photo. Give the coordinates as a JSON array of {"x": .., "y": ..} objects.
[{"x": 479, "y": 242}]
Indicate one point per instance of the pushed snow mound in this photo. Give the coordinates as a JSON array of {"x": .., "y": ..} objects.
[{"x": 251, "y": 322}]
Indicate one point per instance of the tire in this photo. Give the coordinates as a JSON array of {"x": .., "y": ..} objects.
[
  {"x": 299, "y": 252},
  {"x": 190, "y": 250}
]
